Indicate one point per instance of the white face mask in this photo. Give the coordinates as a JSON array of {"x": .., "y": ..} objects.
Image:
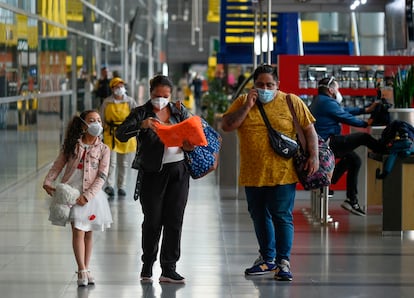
[
  {"x": 160, "y": 102},
  {"x": 338, "y": 97},
  {"x": 94, "y": 129},
  {"x": 119, "y": 91}
]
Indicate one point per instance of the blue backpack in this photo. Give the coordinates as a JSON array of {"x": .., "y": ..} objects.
[{"x": 398, "y": 138}]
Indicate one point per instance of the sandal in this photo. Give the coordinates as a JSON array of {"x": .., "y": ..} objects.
[
  {"x": 91, "y": 279},
  {"x": 82, "y": 278}
]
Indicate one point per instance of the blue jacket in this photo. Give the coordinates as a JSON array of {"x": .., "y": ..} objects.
[{"x": 329, "y": 115}]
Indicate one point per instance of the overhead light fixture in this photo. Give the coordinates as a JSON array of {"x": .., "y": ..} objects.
[
  {"x": 350, "y": 68},
  {"x": 318, "y": 68},
  {"x": 265, "y": 40},
  {"x": 357, "y": 3}
]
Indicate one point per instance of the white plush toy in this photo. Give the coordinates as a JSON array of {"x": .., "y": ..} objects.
[{"x": 62, "y": 200}]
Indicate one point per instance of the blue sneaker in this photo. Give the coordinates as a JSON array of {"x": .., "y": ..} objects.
[
  {"x": 258, "y": 261},
  {"x": 260, "y": 268},
  {"x": 283, "y": 271}
]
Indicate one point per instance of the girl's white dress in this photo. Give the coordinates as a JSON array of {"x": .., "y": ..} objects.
[{"x": 94, "y": 215}]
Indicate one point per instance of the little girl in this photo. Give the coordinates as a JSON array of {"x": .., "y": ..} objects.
[{"x": 85, "y": 161}]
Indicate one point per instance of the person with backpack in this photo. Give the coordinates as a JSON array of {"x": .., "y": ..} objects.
[
  {"x": 163, "y": 178},
  {"x": 329, "y": 114},
  {"x": 270, "y": 179}
]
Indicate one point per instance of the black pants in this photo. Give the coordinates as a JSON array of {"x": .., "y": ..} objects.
[
  {"x": 163, "y": 199},
  {"x": 343, "y": 147}
]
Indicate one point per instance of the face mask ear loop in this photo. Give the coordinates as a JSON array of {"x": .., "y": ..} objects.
[
  {"x": 84, "y": 122},
  {"x": 87, "y": 125}
]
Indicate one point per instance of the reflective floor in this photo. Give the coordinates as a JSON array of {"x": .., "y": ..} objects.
[{"x": 350, "y": 259}]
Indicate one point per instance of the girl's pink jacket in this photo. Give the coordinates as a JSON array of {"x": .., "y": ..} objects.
[{"x": 95, "y": 169}]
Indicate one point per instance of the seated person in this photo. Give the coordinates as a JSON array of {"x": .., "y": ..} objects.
[{"x": 329, "y": 115}]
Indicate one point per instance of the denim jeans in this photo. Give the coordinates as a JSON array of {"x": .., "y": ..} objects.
[{"x": 271, "y": 209}]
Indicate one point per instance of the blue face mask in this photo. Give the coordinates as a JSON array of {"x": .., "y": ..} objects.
[{"x": 265, "y": 95}]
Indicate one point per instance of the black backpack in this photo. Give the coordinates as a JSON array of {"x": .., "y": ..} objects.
[{"x": 381, "y": 116}]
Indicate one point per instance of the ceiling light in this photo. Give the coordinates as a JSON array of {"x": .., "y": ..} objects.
[{"x": 350, "y": 68}]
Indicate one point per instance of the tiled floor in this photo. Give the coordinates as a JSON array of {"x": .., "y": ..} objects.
[{"x": 351, "y": 259}]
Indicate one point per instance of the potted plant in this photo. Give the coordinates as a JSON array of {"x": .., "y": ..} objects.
[
  {"x": 403, "y": 91},
  {"x": 215, "y": 101},
  {"x": 404, "y": 88}
]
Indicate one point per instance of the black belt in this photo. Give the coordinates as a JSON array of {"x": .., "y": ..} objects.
[{"x": 112, "y": 127}]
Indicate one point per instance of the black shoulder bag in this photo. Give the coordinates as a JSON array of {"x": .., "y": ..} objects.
[{"x": 281, "y": 144}]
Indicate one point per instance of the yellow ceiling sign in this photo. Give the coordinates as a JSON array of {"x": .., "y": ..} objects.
[
  {"x": 242, "y": 39},
  {"x": 310, "y": 31}
]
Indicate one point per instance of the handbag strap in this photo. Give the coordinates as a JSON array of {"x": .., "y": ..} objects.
[
  {"x": 299, "y": 130},
  {"x": 264, "y": 116}
]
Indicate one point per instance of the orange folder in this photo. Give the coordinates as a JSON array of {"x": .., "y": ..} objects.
[{"x": 190, "y": 129}]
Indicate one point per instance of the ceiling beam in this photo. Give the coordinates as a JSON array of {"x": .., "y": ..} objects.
[{"x": 312, "y": 6}]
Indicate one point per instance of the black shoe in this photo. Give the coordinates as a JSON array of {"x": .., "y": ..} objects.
[
  {"x": 146, "y": 277},
  {"x": 109, "y": 191},
  {"x": 146, "y": 273},
  {"x": 353, "y": 207},
  {"x": 121, "y": 192},
  {"x": 172, "y": 277}
]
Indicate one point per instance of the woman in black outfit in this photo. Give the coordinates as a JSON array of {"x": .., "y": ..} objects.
[{"x": 163, "y": 179}]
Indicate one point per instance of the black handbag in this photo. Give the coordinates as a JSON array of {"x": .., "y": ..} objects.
[{"x": 281, "y": 144}]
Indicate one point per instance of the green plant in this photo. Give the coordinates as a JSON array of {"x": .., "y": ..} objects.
[
  {"x": 404, "y": 88},
  {"x": 215, "y": 100}
]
